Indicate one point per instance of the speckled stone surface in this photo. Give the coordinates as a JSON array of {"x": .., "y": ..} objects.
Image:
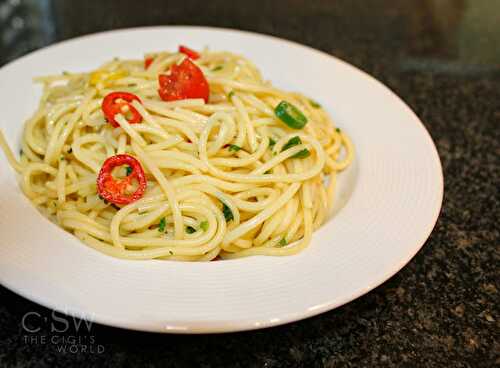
[{"x": 443, "y": 58}]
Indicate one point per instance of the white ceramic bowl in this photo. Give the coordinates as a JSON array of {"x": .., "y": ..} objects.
[{"x": 389, "y": 201}]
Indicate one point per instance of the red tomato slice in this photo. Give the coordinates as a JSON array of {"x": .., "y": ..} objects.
[
  {"x": 184, "y": 81},
  {"x": 190, "y": 53}
]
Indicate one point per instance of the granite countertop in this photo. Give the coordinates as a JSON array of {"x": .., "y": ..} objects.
[{"x": 443, "y": 58}]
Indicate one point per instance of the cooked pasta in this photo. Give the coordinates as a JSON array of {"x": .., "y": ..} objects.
[{"x": 249, "y": 170}]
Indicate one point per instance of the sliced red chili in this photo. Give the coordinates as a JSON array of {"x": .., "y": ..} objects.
[
  {"x": 120, "y": 103},
  {"x": 189, "y": 52},
  {"x": 147, "y": 62},
  {"x": 184, "y": 81},
  {"x": 116, "y": 190}
]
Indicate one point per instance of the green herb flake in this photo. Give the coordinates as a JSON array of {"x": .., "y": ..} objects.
[
  {"x": 282, "y": 242},
  {"x": 228, "y": 214},
  {"x": 171, "y": 253},
  {"x": 292, "y": 142},
  {"x": 272, "y": 142},
  {"x": 302, "y": 154},
  {"x": 337, "y": 130},
  {"x": 204, "y": 225},
  {"x": 21, "y": 152},
  {"x": 128, "y": 170},
  {"x": 162, "y": 225},
  {"x": 190, "y": 229},
  {"x": 217, "y": 68},
  {"x": 234, "y": 148},
  {"x": 231, "y": 94},
  {"x": 268, "y": 171},
  {"x": 315, "y": 104}
]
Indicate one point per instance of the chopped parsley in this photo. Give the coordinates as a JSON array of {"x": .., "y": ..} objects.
[
  {"x": 268, "y": 171},
  {"x": 162, "y": 225},
  {"x": 228, "y": 214},
  {"x": 190, "y": 229},
  {"x": 234, "y": 147},
  {"x": 204, "y": 225},
  {"x": 302, "y": 154},
  {"x": 315, "y": 104},
  {"x": 128, "y": 170},
  {"x": 337, "y": 130},
  {"x": 231, "y": 94},
  {"x": 272, "y": 142},
  {"x": 171, "y": 253},
  {"x": 282, "y": 242},
  {"x": 292, "y": 142},
  {"x": 217, "y": 68}
]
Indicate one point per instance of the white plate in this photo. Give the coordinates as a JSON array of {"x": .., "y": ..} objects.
[{"x": 392, "y": 196}]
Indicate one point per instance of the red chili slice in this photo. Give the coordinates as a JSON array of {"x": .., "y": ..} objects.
[
  {"x": 147, "y": 62},
  {"x": 184, "y": 81},
  {"x": 115, "y": 102},
  {"x": 190, "y": 53},
  {"x": 115, "y": 190}
]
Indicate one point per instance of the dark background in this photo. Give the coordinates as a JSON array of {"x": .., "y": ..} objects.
[{"x": 443, "y": 58}]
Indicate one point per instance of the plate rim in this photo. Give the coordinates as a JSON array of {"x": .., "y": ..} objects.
[{"x": 251, "y": 324}]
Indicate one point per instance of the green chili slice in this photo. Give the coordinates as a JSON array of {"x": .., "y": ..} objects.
[{"x": 290, "y": 115}]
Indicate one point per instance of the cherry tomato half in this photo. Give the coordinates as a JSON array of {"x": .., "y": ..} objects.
[
  {"x": 184, "y": 81},
  {"x": 190, "y": 53}
]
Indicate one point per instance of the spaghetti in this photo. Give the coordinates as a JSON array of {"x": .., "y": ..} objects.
[{"x": 246, "y": 170}]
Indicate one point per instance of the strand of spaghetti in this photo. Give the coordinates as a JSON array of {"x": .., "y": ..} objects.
[
  {"x": 256, "y": 178},
  {"x": 37, "y": 147},
  {"x": 294, "y": 249},
  {"x": 57, "y": 140},
  {"x": 261, "y": 217},
  {"x": 243, "y": 115},
  {"x": 247, "y": 86},
  {"x": 60, "y": 181},
  {"x": 8, "y": 153},
  {"x": 167, "y": 188},
  {"x": 120, "y": 119},
  {"x": 349, "y": 153},
  {"x": 245, "y": 161}
]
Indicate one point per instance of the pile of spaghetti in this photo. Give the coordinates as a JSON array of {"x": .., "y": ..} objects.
[{"x": 185, "y": 155}]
